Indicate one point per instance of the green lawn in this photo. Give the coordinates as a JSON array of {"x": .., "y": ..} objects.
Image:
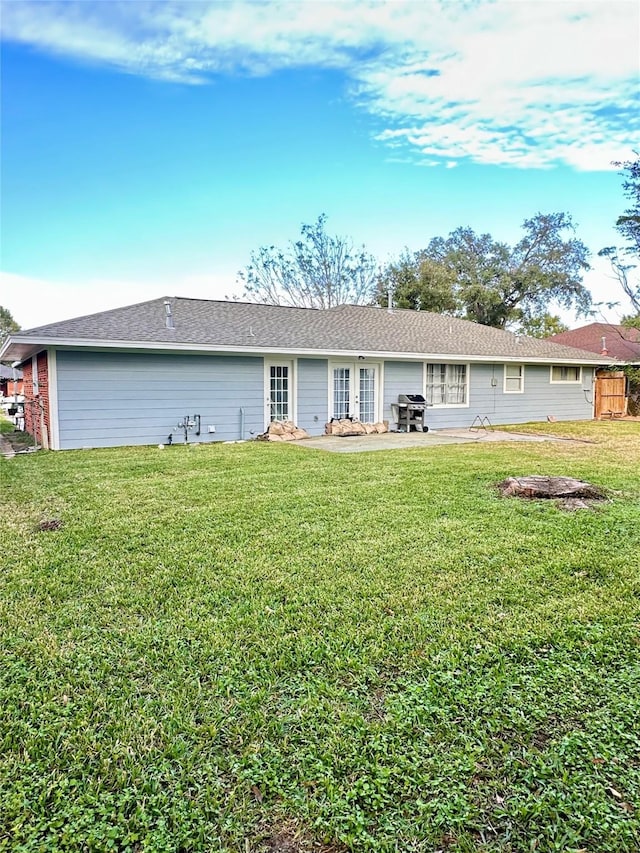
[{"x": 267, "y": 648}]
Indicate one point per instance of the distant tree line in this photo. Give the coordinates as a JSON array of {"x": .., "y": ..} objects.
[{"x": 468, "y": 275}]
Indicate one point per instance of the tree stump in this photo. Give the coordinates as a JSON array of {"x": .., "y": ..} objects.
[{"x": 572, "y": 492}]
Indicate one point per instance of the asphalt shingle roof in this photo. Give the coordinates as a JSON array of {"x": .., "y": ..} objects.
[
  {"x": 621, "y": 342},
  {"x": 346, "y": 328}
]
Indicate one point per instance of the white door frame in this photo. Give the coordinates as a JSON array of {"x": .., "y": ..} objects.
[
  {"x": 354, "y": 402},
  {"x": 292, "y": 382}
]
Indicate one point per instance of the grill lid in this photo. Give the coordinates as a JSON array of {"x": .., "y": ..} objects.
[{"x": 412, "y": 399}]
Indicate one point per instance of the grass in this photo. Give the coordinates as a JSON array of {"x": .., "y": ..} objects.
[{"x": 267, "y": 648}]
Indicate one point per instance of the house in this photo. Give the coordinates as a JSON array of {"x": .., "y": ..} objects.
[
  {"x": 615, "y": 341},
  {"x": 134, "y": 374},
  {"x": 11, "y": 386},
  {"x": 615, "y": 394}
]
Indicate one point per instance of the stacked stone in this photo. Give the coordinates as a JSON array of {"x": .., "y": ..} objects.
[
  {"x": 349, "y": 427},
  {"x": 283, "y": 431}
]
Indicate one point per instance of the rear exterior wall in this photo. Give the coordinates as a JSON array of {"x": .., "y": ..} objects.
[
  {"x": 107, "y": 399},
  {"x": 539, "y": 400},
  {"x": 111, "y": 399}
]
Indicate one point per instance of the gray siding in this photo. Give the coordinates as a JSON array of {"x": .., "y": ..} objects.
[
  {"x": 565, "y": 401},
  {"x": 400, "y": 377},
  {"x": 108, "y": 399},
  {"x": 313, "y": 394}
]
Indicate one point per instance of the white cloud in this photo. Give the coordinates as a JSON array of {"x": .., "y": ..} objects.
[{"x": 526, "y": 84}]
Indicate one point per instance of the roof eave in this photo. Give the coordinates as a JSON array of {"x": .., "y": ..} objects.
[{"x": 20, "y": 348}]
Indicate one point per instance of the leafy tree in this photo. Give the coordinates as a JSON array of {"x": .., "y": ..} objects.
[
  {"x": 623, "y": 260},
  {"x": 318, "y": 271},
  {"x": 544, "y": 326},
  {"x": 7, "y": 324},
  {"x": 631, "y": 321},
  {"x": 417, "y": 282},
  {"x": 476, "y": 277}
]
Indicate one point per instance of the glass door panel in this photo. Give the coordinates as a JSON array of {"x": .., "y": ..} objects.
[
  {"x": 354, "y": 393},
  {"x": 367, "y": 397},
  {"x": 342, "y": 402},
  {"x": 279, "y": 393}
]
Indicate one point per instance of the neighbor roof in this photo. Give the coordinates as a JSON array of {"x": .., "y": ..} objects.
[
  {"x": 6, "y": 372},
  {"x": 208, "y": 325},
  {"x": 620, "y": 342}
]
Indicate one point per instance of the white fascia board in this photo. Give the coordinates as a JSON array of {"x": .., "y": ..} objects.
[{"x": 33, "y": 345}]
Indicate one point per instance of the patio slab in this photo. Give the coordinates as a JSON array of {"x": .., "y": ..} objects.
[{"x": 400, "y": 440}]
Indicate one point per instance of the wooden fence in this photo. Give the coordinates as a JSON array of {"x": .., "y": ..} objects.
[{"x": 610, "y": 398}]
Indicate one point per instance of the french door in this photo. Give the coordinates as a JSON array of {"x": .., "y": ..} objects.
[
  {"x": 279, "y": 391},
  {"x": 354, "y": 392}
]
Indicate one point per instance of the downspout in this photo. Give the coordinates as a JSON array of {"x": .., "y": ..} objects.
[{"x": 242, "y": 423}]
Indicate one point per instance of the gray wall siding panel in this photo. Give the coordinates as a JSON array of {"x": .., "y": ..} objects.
[
  {"x": 566, "y": 401},
  {"x": 116, "y": 399},
  {"x": 313, "y": 394},
  {"x": 400, "y": 377}
]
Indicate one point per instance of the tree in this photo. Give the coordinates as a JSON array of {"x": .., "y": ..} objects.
[
  {"x": 476, "y": 277},
  {"x": 631, "y": 321},
  {"x": 7, "y": 324},
  {"x": 543, "y": 327},
  {"x": 628, "y": 226},
  {"x": 417, "y": 282},
  {"x": 318, "y": 271}
]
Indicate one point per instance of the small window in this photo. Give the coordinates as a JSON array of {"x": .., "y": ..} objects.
[
  {"x": 566, "y": 373},
  {"x": 446, "y": 384},
  {"x": 513, "y": 378}
]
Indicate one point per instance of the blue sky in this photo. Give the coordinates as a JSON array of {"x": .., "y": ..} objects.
[{"x": 149, "y": 147}]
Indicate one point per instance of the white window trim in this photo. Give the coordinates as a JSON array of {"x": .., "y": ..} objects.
[
  {"x": 506, "y": 390},
  {"x": 467, "y": 385},
  {"x": 577, "y": 381}
]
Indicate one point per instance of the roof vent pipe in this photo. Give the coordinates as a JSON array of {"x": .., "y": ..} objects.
[
  {"x": 390, "y": 300},
  {"x": 604, "y": 350},
  {"x": 168, "y": 315}
]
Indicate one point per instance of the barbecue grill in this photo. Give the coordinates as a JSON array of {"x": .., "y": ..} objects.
[{"x": 411, "y": 413}]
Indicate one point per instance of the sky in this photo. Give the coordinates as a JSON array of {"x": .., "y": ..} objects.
[{"x": 149, "y": 147}]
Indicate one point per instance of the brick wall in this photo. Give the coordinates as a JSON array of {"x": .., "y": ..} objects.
[{"x": 36, "y": 404}]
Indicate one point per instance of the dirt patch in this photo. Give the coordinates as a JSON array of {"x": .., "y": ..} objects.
[
  {"x": 290, "y": 839},
  {"x": 50, "y": 524}
]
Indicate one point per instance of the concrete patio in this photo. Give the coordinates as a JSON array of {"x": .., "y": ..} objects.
[{"x": 400, "y": 440}]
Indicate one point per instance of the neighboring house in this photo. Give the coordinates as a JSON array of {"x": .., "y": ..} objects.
[
  {"x": 619, "y": 342},
  {"x": 130, "y": 375},
  {"x": 614, "y": 394},
  {"x": 11, "y": 386}
]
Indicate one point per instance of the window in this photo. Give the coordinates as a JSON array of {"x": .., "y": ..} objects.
[
  {"x": 513, "y": 378},
  {"x": 566, "y": 373},
  {"x": 446, "y": 384}
]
